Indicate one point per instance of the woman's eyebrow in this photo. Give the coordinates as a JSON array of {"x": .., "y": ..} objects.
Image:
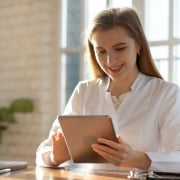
[
  {"x": 98, "y": 47},
  {"x": 115, "y": 45},
  {"x": 119, "y": 44}
]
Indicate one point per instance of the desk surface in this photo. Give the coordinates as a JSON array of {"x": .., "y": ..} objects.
[{"x": 40, "y": 173}]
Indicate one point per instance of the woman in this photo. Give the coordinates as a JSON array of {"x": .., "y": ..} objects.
[{"x": 129, "y": 88}]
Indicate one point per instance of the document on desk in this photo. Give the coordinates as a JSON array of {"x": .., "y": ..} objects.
[{"x": 150, "y": 175}]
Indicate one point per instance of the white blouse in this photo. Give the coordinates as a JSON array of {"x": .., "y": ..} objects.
[{"x": 148, "y": 117}]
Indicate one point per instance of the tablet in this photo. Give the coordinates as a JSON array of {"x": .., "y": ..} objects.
[{"x": 81, "y": 132}]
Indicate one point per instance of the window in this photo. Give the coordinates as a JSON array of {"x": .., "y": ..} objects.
[{"x": 163, "y": 35}]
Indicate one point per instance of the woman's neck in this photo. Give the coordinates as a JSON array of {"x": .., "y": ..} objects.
[{"x": 121, "y": 86}]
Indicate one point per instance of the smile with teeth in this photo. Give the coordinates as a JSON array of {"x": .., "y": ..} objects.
[{"x": 115, "y": 69}]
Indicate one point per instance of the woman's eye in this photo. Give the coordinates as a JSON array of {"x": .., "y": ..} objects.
[
  {"x": 120, "y": 48},
  {"x": 100, "y": 52}
]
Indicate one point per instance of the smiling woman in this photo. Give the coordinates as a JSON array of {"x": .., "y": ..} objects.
[
  {"x": 163, "y": 38},
  {"x": 75, "y": 18},
  {"x": 116, "y": 55},
  {"x": 124, "y": 67},
  {"x": 130, "y": 32}
]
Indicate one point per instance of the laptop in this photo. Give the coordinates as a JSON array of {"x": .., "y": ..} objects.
[
  {"x": 13, "y": 165},
  {"x": 81, "y": 132}
]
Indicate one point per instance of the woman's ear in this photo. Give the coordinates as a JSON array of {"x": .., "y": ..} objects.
[{"x": 138, "y": 47}]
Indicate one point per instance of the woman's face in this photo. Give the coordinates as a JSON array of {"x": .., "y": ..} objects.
[{"x": 116, "y": 52}]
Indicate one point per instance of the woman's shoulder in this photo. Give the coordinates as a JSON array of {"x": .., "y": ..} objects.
[
  {"x": 158, "y": 83},
  {"x": 94, "y": 82}
]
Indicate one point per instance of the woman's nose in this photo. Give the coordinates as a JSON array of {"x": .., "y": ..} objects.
[{"x": 110, "y": 59}]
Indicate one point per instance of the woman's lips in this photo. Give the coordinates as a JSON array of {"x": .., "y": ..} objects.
[{"x": 115, "y": 69}]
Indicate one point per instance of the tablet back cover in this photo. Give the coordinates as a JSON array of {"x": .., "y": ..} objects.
[{"x": 81, "y": 132}]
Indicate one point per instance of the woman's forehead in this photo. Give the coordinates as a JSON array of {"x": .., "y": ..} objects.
[{"x": 112, "y": 36}]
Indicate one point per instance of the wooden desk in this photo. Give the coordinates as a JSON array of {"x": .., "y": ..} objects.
[{"x": 40, "y": 173}]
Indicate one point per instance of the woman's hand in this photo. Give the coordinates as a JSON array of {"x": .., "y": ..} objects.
[
  {"x": 59, "y": 152},
  {"x": 121, "y": 154}
]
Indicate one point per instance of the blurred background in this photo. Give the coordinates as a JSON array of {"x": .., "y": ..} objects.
[{"x": 43, "y": 56}]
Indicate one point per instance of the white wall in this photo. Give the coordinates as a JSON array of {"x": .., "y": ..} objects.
[{"x": 28, "y": 68}]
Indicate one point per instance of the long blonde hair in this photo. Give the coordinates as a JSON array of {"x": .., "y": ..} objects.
[{"x": 127, "y": 18}]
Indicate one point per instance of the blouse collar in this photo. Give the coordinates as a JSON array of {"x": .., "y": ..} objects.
[{"x": 134, "y": 85}]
